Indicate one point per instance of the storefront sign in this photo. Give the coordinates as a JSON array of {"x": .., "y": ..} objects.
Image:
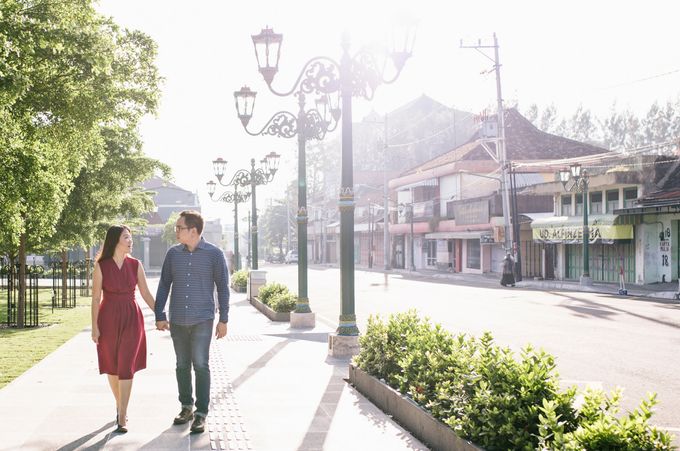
[
  {"x": 574, "y": 234},
  {"x": 471, "y": 212}
]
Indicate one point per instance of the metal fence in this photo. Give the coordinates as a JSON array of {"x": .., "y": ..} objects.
[
  {"x": 59, "y": 300},
  {"x": 10, "y": 279}
]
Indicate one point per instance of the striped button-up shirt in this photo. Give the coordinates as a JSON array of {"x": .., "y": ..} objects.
[{"x": 193, "y": 276}]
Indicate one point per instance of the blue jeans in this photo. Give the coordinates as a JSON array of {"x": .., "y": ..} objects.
[{"x": 192, "y": 346}]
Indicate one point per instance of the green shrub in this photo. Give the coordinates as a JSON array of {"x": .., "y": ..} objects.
[
  {"x": 269, "y": 291},
  {"x": 283, "y": 302},
  {"x": 599, "y": 426},
  {"x": 239, "y": 279},
  {"x": 383, "y": 345},
  {"x": 493, "y": 399}
]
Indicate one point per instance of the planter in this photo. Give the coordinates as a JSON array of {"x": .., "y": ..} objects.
[
  {"x": 410, "y": 415},
  {"x": 238, "y": 289},
  {"x": 268, "y": 312}
]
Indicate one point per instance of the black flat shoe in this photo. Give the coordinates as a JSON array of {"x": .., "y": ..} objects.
[{"x": 121, "y": 429}]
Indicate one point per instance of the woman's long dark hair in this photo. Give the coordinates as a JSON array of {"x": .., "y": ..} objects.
[{"x": 111, "y": 241}]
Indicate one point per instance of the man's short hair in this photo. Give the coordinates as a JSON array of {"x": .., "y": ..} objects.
[{"x": 193, "y": 219}]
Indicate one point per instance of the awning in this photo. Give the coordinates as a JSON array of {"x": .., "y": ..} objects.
[
  {"x": 426, "y": 182},
  {"x": 455, "y": 235},
  {"x": 569, "y": 229}
]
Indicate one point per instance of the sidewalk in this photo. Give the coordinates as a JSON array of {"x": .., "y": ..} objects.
[
  {"x": 667, "y": 290},
  {"x": 273, "y": 389}
]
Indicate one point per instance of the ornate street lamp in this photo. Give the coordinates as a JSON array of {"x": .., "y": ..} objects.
[
  {"x": 236, "y": 197},
  {"x": 580, "y": 179},
  {"x": 306, "y": 125},
  {"x": 357, "y": 75},
  {"x": 252, "y": 177}
]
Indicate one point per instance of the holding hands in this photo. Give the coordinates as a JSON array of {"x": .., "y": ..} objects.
[{"x": 162, "y": 325}]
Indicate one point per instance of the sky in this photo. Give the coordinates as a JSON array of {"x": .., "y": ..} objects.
[{"x": 568, "y": 53}]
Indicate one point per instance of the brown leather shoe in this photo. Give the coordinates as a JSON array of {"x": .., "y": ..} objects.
[
  {"x": 184, "y": 416},
  {"x": 199, "y": 424}
]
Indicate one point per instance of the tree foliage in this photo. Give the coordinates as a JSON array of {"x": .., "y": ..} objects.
[
  {"x": 620, "y": 129},
  {"x": 274, "y": 224},
  {"x": 73, "y": 87}
]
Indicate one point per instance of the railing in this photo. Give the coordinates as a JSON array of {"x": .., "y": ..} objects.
[{"x": 11, "y": 282}]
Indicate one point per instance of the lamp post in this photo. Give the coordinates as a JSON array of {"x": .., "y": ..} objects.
[
  {"x": 580, "y": 179},
  {"x": 407, "y": 209},
  {"x": 357, "y": 75},
  {"x": 252, "y": 177},
  {"x": 306, "y": 125},
  {"x": 236, "y": 197}
]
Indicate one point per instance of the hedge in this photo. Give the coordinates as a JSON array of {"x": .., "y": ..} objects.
[
  {"x": 277, "y": 297},
  {"x": 491, "y": 398}
]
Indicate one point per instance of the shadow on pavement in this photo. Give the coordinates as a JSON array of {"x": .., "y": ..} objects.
[{"x": 258, "y": 364}]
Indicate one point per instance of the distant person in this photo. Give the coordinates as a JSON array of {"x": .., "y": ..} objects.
[
  {"x": 508, "y": 277},
  {"x": 193, "y": 269},
  {"x": 117, "y": 321}
]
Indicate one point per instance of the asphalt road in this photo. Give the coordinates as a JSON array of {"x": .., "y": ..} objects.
[{"x": 598, "y": 340}]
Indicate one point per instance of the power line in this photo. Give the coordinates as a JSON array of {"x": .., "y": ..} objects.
[
  {"x": 434, "y": 135},
  {"x": 640, "y": 80}
]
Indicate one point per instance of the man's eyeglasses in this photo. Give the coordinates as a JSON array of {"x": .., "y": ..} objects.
[{"x": 179, "y": 228}]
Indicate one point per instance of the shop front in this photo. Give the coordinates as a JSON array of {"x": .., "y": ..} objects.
[{"x": 611, "y": 246}]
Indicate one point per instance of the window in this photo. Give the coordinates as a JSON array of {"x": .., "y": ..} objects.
[
  {"x": 431, "y": 250},
  {"x": 579, "y": 204},
  {"x": 629, "y": 197},
  {"x": 473, "y": 254},
  {"x": 612, "y": 200},
  {"x": 566, "y": 205},
  {"x": 596, "y": 203}
]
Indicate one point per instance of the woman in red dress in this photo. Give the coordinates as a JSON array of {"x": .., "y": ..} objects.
[{"x": 117, "y": 321}]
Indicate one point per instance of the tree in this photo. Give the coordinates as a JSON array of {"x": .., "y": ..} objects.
[
  {"x": 67, "y": 74},
  {"x": 274, "y": 225},
  {"x": 169, "y": 235}
]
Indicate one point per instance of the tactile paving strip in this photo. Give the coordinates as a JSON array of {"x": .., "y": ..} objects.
[{"x": 224, "y": 422}]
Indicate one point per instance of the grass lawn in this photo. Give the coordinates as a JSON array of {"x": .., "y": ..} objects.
[{"x": 20, "y": 349}]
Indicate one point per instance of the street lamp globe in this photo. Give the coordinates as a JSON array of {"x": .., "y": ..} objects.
[
  {"x": 272, "y": 162},
  {"x": 245, "y": 103},
  {"x": 403, "y": 40},
  {"x": 575, "y": 170},
  {"x": 267, "y": 51},
  {"x": 219, "y": 166},
  {"x": 211, "y": 188},
  {"x": 564, "y": 176}
]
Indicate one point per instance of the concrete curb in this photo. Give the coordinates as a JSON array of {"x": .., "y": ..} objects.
[
  {"x": 268, "y": 312},
  {"x": 413, "y": 417}
]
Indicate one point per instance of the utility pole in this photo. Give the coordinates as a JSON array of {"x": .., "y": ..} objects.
[
  {"x": 500, "y": 141},
  {"x": 386, "y": 207}
]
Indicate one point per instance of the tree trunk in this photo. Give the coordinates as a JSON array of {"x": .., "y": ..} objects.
[
  {"x": 64, "y": 278},
  {"x": 21, "y": 299},
  {"x": 88, "y": 274}
]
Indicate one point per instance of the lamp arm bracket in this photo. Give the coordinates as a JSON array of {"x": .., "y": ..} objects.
[
  {"x": 282, "y": 124},
  {"x": 227, "y": 197},
  {"x": 321, "y": 75},
  {"x": 315, "y": 127},
  {"x": 241, "y": 178}
]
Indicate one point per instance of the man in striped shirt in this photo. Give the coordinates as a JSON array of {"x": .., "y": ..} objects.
[{"x": 193, "y": 269}]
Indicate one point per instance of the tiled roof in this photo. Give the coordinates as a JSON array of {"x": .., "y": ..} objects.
[
  {"x": 523, "y": 142},
  {"x": 667, "y": 180}
]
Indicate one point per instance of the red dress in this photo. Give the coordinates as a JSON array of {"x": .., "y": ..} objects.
[{"x": 122, "y": 340}]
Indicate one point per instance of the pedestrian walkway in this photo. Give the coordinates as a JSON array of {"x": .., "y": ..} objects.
[
  {"x": 668, "y": 290},
  {"x": 273, "y": 389}
]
